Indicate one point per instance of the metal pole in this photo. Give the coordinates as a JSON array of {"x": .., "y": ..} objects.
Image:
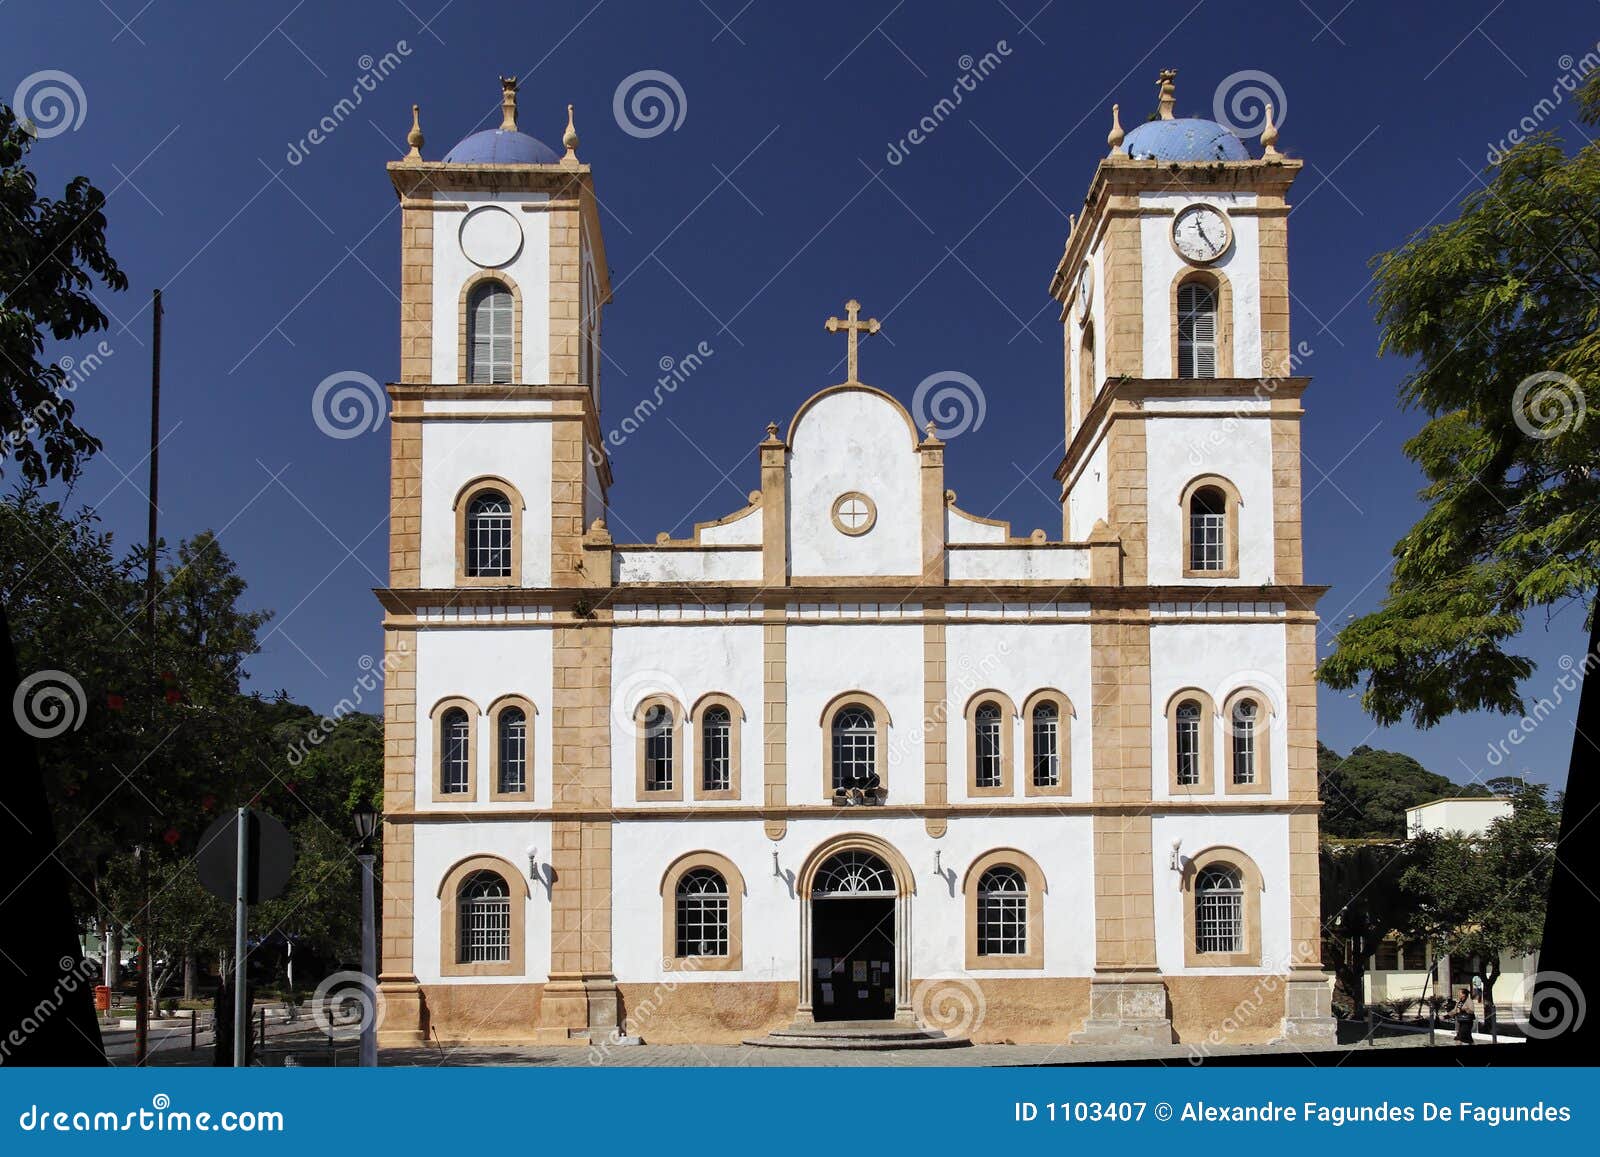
[
  {"x": 241, "y": 923},
  {"x": 141, "y": 1033},
  {"x": 369, "y": 965}
]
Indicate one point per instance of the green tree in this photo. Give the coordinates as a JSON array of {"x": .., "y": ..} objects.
[
  {"x": 1366, "y": 793},
  {"x": 52, "y": 252},
  {"x": 1477, "y": 898},
  {"x": 1363, "y": 900},
  {"x": 1500, "y": 312}
]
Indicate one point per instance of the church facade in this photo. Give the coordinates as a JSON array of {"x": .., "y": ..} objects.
[{"x": 851, "y": 752}]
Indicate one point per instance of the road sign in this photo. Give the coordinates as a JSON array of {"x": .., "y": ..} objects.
[{"x": 270, "y": 857}]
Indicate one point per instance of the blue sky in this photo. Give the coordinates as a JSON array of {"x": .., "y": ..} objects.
[{"x": 743, "y": 227}]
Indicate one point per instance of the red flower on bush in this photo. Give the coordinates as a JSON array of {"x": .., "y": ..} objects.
[
  {"x": 114, "y": 702},
  {"x": 170, "y": 835}
]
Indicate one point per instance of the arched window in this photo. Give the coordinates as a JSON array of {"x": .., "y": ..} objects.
[
  {"x": 1002, "y": 912},
  {"x": 1046, "y": 761},
  {"x": 1197, "y": 330},
  {"x": 455, "y": 752},
  {"x": 987, "y": 763},
  {"x": 1086, "y": 374},
  {"x": 1208, "y": 530},
  {"x": 483, "y": 907},
  {"x": 512, "y": 737},
  {"x": 1188, "y": 746},
  {"x": 658, "y": 748},
  {"x": 716, "y": 749},
  {"x": 855, "y": 751},
  {"x": 702, "y": 914},
  {"x": 1219, "y": 910},
  {"x": 490, "y": 334},
  {"x": 488, "y": 544},
  {"x": 1243, "y": 718},
  {"x": 853, "y": 873}
]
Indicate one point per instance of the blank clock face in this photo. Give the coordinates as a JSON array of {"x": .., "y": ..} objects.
[
  {"x": 1085, "y": 289},
  {"x": 1201, "y": 233}
]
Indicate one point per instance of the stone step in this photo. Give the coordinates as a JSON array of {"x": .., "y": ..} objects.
[{"x": 858, "y": 1034}]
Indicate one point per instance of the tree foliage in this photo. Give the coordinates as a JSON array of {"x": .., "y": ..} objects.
[
  {"x": 1363, "y": 901},
  {"x": 1499, "y": 311},
  {"x": 52, "y": 254},
  {"x": 1365, "y": 794}
]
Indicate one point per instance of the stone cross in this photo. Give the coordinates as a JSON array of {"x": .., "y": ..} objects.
[{"x": 853, "y": 328}]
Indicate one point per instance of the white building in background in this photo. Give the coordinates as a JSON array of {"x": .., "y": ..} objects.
[
  {"x": 1399, "y": 971},
  {"x": 850, "y": 751}
]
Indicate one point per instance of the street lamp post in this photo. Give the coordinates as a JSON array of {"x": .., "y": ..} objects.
[{"x": 366, "y": 821}]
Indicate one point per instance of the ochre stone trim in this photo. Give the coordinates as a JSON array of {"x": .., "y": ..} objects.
[
  {"x": 930, "y": 452},
  {"x": 774, "y": 511},
  {"x": 679, "y": 719},
  {"x": 416, "y": 293},
  {"x": 437, "y": 715},
  {"x": 463, "y": 503},
  {"x": 1265, "y": 714},
  {"x": 528, "y": 713},
  {"x": 1287, "y": 553},
  {"x": 1122, "y": 308},
  {"x": 1223, "y": 289},
  {"x": 1300, "y": 708},
  {"x": 1231, "y": 504},
  {"x": 935, "y": 722},
  {"x": 735, "y": 746},
  {"x": 1064, "y": 716},
  {"x": 1305, "y": 892},
  {"x": 399, "y": 795},
  {"x": 399, "y": 883},
  {"x": 566, "y": 272},
  {"x": 1008, "y": 723},
  {"x": 1207, "y": 725},
  {"x": 1250, "y": 881},
  {"x": 449, "y": 895},
  {"x": 567, "y": 486},
  {"x": 1273, "y": 246},
  {"x": 734, "y": 960},
  {"x": 405, "y": 495},
  {"x": 775, "y": 721},
  {"x": 1128, "y": 486},
  {"x": 872, "y": 513},
  {"x": 464, "y": 324},
  {"x": 880, "y": 748},
  {"x": 1037, "y": 887}
]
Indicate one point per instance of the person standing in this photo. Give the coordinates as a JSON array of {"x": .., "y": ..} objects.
[{"x": 1466, "y": 1013}]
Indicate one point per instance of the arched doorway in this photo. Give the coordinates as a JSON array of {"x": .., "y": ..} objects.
[{"x": 855, "y": 933}]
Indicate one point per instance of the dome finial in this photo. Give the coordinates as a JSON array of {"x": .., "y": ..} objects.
[
  {"x": 1114, "y": 137},
  {"x": 414, "y": 137},
  {"x": 1168, "y": 92},
  {"x": 508, "y": 104},
  {"x": 570, "y": 138},
  {"x": 1269, "y": 137}
]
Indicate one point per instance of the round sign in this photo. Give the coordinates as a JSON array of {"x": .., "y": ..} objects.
[
  {"x": 490, "y": 237},
  {"x": 270, "y": 857}
]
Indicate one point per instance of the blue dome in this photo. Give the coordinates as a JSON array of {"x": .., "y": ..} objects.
[
  {"x": 1184, "y": 139},
  {"x": 500, "y": 147}
]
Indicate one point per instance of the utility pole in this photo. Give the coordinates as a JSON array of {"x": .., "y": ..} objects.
[{"x": 141, "y": 1035}]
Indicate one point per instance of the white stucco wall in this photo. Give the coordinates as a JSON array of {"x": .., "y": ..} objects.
[
  {"x": 1265, "y": 839},
  {"x": 1018, "y": 564},
  {"x": 959, "y": 527},
  {"x": 529, "y": 270},
  {"x": 658, "y": 566},
  {"x": 742, "y": 531},
  {"x": 1238, "y": 449},
  {"x": 1089, "y": 500},
  {"x": 854, "y": 440},
  {"x": 482, "y": 664},
  {"x": 456, "y": 452},
  {"x": 1218, "y": 658},
  {"x": 685, "y": 662},
  {"x": 438, "y": 848},
  {"x": 1019, "y": 660},
  {"x": 1241, "y": 265}
]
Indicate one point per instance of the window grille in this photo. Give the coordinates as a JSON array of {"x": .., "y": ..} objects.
[
  {"x": 1188, "y": 743},
  {"x": 485, "y": 905},
  {"x": 1046, "y": 745},
  {"x": 1208, "y": 510},
  {"x": 658, "y": 748},
  {"x": 513, "y": 750},
  {"x": 986, "y": 725},
  {"x": 455, "y": 752},
  {"x": 1244, "y": 742},
  {"x": 488, "y": 542},
  {"x": 1219, "y": 911},
  {"x": 702, "y": 905},
  {"x": 855, "y": 746},
  {"x": 716, "y": 750},
  {"x": 1002, "y": 913}
]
